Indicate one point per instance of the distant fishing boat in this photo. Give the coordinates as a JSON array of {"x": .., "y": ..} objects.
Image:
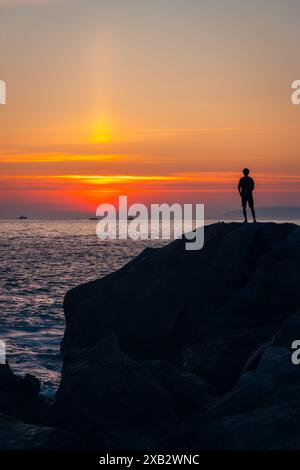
[
  {"x": 93, "y": 218},
  {"x": 22, "y": 217}
]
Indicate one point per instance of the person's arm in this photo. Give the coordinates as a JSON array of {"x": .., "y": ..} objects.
[
  {"x": 240, "y": 187},
  {"x": 252, "y": 185}
]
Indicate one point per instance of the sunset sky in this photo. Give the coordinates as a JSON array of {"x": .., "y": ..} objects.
[{"x": 160, "y": 100}]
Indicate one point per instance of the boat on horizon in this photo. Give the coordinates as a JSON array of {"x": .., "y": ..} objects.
[{"x": 22, "y": 217}]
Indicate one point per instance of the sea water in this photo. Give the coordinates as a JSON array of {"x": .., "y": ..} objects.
[{"x": 39, "y": 262}]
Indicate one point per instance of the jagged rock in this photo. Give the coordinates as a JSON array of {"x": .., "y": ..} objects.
[
  {"x": 189, "y": 394},
  {"x": 29, "y": 385},
  {"x": 273, "y": 428},
  {"x": 220, "y": 361},
  {"x": 15, "y": 435},
  {"x": 111, "y": 399},
  {"x": 261, "y": 412},
  {"x": 289, "y": 332},
  {"x": 19, "y": 397}
]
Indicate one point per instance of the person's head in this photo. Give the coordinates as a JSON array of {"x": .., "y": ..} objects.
[{"x": 246, "y": 171}]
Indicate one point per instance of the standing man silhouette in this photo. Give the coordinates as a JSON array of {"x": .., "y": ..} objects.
[{"x": 245, "y": 188}]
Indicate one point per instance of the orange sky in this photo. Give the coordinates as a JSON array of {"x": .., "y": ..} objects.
[{"x": 160, "y": 101}]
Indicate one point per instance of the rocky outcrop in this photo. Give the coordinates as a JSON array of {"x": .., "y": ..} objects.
[
  {"x": 197, "y": 308},
  {"x": 183, "y": 349},
  {"x": 19, "y": 397},
  {"x": 179, "y": 346},
  {"x": 23, "y": 413}
]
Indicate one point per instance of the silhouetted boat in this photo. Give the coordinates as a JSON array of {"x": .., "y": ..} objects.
[
  {"x": 93, "y": 218},
  {"x": 22, "y": 217}
]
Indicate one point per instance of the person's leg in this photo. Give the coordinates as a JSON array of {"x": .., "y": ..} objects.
[
  {"x": 244, "y": 204},
  {"x": 251, "y": 205}
]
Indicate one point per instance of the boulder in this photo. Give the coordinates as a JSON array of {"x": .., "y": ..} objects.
[
  {"x": 188, "y": 393},
  {"x": 111, "y": 399},
  {"x": 261, "y": 412},
  {"x": 19, "y": 396}
]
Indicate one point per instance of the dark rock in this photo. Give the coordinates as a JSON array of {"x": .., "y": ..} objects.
[
  {"x": 200, "y": 334},
  {"x": 19, "y": 397},
  {"x": 189, "y": 394},
  {"x": 273, "y": 428},
  {"x": 111, "y": 399},
  {"x": 220, "y": 361},
  {"x": 224, "y": 301},
  {"x": 15, "y": 435},
  {"x": 261, "y": 412},
  {"x": 29, "y": 385},
  {"x": 255, "y": 357},
  {"x": 289, "y": 332}
]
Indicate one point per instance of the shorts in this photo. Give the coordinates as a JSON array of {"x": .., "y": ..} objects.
[{"x": 247, "y": 198}]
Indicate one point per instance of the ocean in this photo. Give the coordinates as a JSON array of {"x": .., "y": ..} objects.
[{"x": 40, "y": 261}]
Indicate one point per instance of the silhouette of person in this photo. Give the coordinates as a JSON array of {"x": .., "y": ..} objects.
[{"x": 245, "y": 188}]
